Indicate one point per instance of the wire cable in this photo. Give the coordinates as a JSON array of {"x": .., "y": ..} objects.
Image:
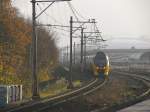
[
  {"x": 77, "y": 12},
  {"x": 42, "y": 11},
  {"x": 49, "y": 15},
  {"x": 70, "y": 6}
]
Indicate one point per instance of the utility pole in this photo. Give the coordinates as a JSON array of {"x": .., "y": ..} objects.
[
  {"x": 35, "y": 94},
  {"x": 1, "y": 42},
  {"x": 74, "y": 53},
  {"x": 62, "y": 56},
  {"x": 67, "y": 55},
  {"x": 81, "y": 62},
  {"x": 35, "y": 90},
  {"x": 70, "y": 67},
  {"x": 82, "y": 38},
  {"x": 1, "y": 5},
  {"x": 84, "y": 51}
]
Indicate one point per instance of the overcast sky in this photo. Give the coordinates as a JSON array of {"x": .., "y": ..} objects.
[{"x": 116, "y": 18}]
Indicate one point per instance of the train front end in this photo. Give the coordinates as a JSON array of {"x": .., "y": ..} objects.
[{"x": 101, "y": 65}]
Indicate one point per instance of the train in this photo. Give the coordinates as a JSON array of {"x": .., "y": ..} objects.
[
  {"x": 10, "y": 94},
  {"x": 101, "y": 65}
]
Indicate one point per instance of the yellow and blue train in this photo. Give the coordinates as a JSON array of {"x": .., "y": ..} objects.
[{"x": 101, "y": 65}]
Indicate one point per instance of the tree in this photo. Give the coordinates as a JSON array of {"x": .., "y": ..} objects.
[{"x": 15, "y": 47}]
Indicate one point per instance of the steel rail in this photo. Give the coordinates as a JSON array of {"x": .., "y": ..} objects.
[
  {"x": 47, "y": 103},
  {"x": 90, "y": 90},
  {"x": 128, "y": 103},
  {"x": 139, "y": 77}
]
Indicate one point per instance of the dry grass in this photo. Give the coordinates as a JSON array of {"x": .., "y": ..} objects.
[
  {"x": 54, "y": 89},
  {"x": 114, "y": 92},
  {"x": 57, "y": 88}
]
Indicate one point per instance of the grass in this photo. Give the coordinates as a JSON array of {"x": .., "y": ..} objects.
[{"x": 57, "y": 88}]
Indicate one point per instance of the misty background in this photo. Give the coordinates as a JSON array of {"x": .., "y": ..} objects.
[{"x": 123, "y": 23}]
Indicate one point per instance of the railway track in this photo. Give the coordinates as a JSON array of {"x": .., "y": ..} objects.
[
  {"x": 89, "y": 90},
  {"x": 133, "y": 101},
  {"x": 139, "y": 77},
  {"x": 44, "y": 104}
]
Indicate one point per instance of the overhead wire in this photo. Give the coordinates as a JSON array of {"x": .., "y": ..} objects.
[
  {"x": 64, "y": 30},
  {"x": 77, "y": 15},
  {"x": 75, "y": 10},
  {"x": 99, "y": 33},
  {"x": 45, "y": 9},
  {"x": 70, "y": 6},
  {"x": 49, "y": 15},
  {"x": 56, "y": 27}
]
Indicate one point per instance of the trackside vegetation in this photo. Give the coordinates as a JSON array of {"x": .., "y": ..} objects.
[{"x": 16, "y": 49}]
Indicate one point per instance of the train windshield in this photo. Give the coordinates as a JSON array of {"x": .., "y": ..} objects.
[{"x": 100, "y": 59}]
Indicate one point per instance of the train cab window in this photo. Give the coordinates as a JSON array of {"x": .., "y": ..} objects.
[{"x": 100, "y": 59}]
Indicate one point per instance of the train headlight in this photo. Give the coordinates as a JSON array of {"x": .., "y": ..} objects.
[{"x": 97, "y": 68}]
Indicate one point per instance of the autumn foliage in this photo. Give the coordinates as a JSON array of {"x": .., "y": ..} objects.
[{"x": 16, "y": 48}]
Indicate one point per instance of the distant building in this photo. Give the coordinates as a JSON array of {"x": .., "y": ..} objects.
[{"x": 133, "y": 47}]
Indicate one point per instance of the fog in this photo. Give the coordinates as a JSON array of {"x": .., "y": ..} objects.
[{"x": 116, "y": 18}]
